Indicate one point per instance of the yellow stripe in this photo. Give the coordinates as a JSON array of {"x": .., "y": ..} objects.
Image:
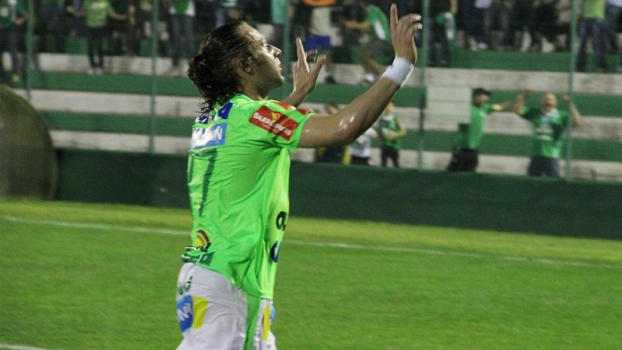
[
  {"x": 200, "y": 307},
  {"x": 266, "y": 323}
]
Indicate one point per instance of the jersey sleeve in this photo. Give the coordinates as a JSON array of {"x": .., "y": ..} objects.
[{"x": 281, "y": 122}]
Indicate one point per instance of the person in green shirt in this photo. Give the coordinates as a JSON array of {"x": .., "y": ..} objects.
[
  {"x": 592, "y": 26},
  {"x": 96, "y": 13},
  {"x": 465, "y": 154},
  {"x": 391, "y": 130},
  {"x": 547, "y": 140},
  {"x": 377, "y": 25},
  {"x": 238, "y": 175},
  {"x": 12, "y": 16}
]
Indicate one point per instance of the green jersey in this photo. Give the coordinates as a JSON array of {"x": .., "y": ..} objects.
[
  {"x": 548, "y": 131},
  {"x": 470, "y": 135},
  {"x": 379, "y": 23},
  {"x": 238, "y": 179},
  {"x": 594, "y": 9},
  {"x": 389, "y": 124},
  {"x": 97, "y": 12}
]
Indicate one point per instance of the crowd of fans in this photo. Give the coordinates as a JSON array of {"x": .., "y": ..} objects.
[{"x": 120, "y": 27}]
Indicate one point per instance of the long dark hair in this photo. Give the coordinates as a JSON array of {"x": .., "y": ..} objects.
[{"x": 213, "y": 70}]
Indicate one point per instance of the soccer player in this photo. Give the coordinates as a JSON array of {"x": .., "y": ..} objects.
[
  {"x": 238, "y": 171},
  {"x": 548, "y": 124}
]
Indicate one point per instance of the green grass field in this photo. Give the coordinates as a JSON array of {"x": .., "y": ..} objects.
[{"x": 85, "y": 276}]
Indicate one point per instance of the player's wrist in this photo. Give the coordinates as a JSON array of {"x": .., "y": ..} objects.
[{"x": 399, "y": 71}]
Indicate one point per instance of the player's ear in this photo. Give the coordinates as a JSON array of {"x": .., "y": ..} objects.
[{"x": 245, "y": 65}]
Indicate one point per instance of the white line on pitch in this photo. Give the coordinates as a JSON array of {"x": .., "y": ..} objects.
[
  {"x": 19, "y": 347},
  {"x": 320, "y": 244}
]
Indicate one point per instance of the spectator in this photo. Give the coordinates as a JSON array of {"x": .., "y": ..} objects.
[
  {"x": 72, "y": 7},
  {"x": 351, "y": 11},
  {"x": 439, "y": 12},
  {"x": 612, "y": 14},
  {"x": 563, "y": 10},
  {"x": 391, "y": 132},
  {"x": 223, "y": 9},
  {"x": 121, "y": 30},
  {"x": 592, "y": 26},
  {"x": 377, "y": 25},
  {"x": 499, "y": 17},
  {"x": 143, "y": 26},
  {"x": 12, "y": 16},
  {"x": 51, "y": 19},
  {"x": 182, "y": 32},
  {"x": 465, "y": 155},
  {"x": 478, "y": 18},
  {"x": 548, "y": 124},
  {"x": 542, "y": 24},
  {"x": 360, "y": 149},
  {"x": 318, "y": 35},
  {"x": 97, "y": 13}
]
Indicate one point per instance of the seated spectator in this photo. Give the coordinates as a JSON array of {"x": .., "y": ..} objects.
[{"x": 377, "y": 25}]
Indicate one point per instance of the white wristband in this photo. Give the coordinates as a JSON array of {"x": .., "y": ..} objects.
[{"x": 399, "y": 71}]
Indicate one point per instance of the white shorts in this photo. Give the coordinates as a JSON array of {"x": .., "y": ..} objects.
[{"x": 214, "y": 314}]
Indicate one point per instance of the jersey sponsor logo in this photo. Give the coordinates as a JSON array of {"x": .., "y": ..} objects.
[
  {"x": 191, "y": 312},
  {"x": 208, "y": 137},
  {"x": 274, "y": 252},
  {"x": 274, "y": 122}
]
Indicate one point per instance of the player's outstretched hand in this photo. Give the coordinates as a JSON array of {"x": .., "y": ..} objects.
[
  {"x": 403, "y": 34},
  {"x": 305, "y": 78}
]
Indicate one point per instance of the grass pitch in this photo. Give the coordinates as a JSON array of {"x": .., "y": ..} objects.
[{"x": 85, "y": 276}]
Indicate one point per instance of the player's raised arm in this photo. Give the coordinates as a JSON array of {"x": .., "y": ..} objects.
[
  {"x": 358, "y": 116},
  {"x": 305, "y": 78}
]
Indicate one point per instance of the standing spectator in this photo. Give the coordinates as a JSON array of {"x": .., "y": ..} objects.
[
  {"x": 182, "y": 30},
  {"x": 223, "y": 9},
  {"x": 51, "y": 19},
  {"x": 612, "y": 14},
  {"x": 465, "y": 155},
  {"x": 563, "y": 10},
  {"x": 391, "y": 132},
  {"x": 143, "y": 26},
  {"x": 97, "y": 13},
  {"x": 542, "y": 24},
  {"x": 360, "y": 149},
  {"x": 318, "y": 35},
  {"x": 122, "y": 30},
  {"x": 439, "y": 12},
  {"x": 499, "y": 17},
  {"x": 377, "y": 25},
  {"x": 478, "y": 22},
  {"x": 12, "y": 16},
  {"x": 592, "y": 26},
  {"x": 72, "y": 7},
  {"x": 548, "y": 125}
]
